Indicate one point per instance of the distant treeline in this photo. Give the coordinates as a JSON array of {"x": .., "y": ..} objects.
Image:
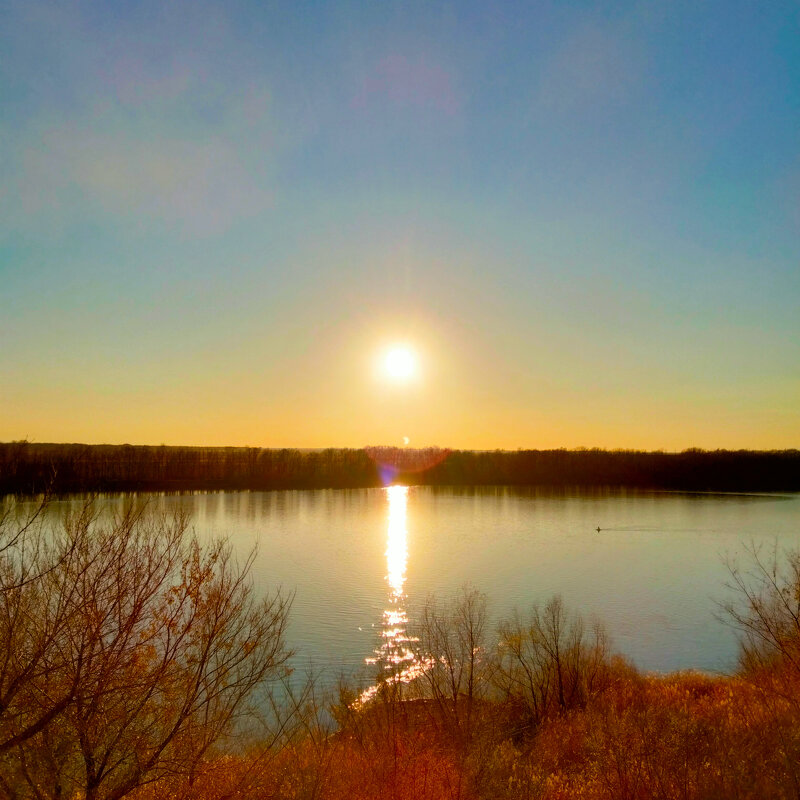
[{"x": 27, "y": 468}]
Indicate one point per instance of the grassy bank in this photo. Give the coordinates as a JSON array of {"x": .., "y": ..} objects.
[{"x": 685, "y": 736}]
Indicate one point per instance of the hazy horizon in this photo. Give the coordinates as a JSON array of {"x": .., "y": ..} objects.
[{"x": 389, "y": 445}]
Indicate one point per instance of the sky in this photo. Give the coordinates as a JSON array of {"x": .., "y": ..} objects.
[{"x": 582, "y": 218}]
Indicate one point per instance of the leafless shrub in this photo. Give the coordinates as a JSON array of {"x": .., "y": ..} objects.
[
  {"x": 130, "y": 658},
  {"x": 452, "y": 645},
  {"x": 767, "y": 610},
  {"x": 548, "y": 662}
]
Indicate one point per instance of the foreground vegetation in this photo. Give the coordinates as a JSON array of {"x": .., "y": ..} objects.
[
  {"x": 27, "y": 468},
  {"x": 135, "y": 662}
]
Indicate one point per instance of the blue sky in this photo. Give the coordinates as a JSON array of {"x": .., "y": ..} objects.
[{"x": 584, "y": 218}]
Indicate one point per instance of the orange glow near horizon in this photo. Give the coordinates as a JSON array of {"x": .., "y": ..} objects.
[{"x": 461, "y": 391}]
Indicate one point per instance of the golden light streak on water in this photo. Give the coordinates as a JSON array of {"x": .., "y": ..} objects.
[
  {"x": 397, "y": 540},
  {"x": 395, "y": 656}
]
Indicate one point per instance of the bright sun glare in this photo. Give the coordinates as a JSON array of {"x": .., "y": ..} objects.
[{"x": 400, "y": 363}]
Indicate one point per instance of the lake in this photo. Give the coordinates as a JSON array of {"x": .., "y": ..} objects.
[{"x": 362, "y": 562}]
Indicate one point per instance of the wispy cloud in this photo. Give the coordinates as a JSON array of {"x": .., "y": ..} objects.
[{"x": 199, "y": 187}]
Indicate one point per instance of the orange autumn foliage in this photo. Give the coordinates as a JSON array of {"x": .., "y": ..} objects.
[{"x": 686, "y": 736}]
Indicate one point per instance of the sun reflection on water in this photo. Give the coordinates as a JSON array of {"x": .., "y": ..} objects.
[
  {"x": 397, "y": 540},
  {"x": 395, "y": 656}
]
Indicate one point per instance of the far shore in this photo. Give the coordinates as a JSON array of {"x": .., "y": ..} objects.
[{"x": 32, "y": 468}]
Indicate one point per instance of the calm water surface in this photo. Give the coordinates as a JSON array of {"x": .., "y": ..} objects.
[{"x": 361, "y": 562}]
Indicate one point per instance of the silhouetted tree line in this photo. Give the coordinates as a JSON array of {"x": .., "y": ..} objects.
[
  {"x": 33, "y": 468},
  {"x": 28, "y": 468},
  {"x": 690, "y": 470}
]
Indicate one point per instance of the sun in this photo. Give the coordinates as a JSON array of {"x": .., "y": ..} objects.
[{"x": 400, "y": 363}]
